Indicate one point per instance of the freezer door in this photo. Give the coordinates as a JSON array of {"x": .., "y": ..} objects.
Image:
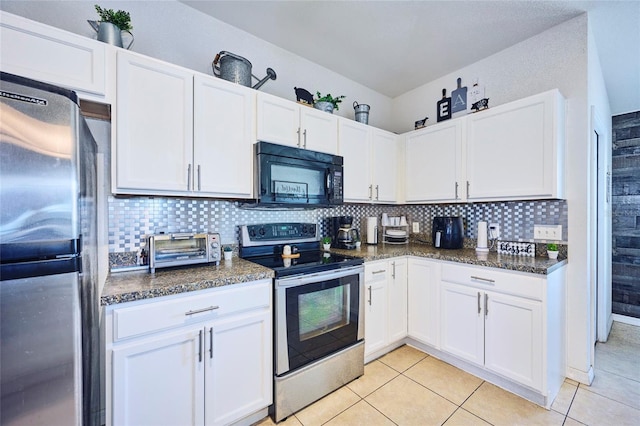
[{"x": 40, "y": 351}]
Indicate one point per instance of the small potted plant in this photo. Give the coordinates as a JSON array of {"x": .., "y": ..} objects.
[
  {"x": 228, "y": 252},
  {"x": 327, "y": 102},
  {"x": 111, "y": 25},
  {"x": 552, "y": 250},
  {"x": 326, "y": 243}
]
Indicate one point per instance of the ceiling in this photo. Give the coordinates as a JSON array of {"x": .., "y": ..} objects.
[{"x": 393, "y": 47}]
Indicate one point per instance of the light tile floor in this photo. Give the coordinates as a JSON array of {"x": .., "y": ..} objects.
[{"x": 409, "y": 387}]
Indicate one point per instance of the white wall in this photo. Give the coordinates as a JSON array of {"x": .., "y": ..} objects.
[
  {"x": 176, "y": 33},
  {"x": 556, "y": 58}
]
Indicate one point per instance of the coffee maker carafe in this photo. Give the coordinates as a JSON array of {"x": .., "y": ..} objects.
[{"x": 345, "y": 236}]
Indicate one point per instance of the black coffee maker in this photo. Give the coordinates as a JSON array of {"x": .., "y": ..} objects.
[
  {"x": 344, "y": 234},
  {"x": 448, "y": 232}
]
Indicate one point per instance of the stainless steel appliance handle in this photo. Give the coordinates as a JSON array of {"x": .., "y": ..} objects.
[
  {"x": 486, "y": 304},
  {"x": 377, "y": 192},
  {"x": 189, "y": 177},
  {"x": 479, "y": 307},
  {"x": 487, "y": 280},
  {"x": 211, "y": 343},
  {"x": 182, "y": 235},
  {"x": 369, "y": 296},
  {"x": 200, "y": 346},
  {"x": 305, "y": 138},
  {"x": 198, "y": 311},
  {"x": 303, "y": 279}
]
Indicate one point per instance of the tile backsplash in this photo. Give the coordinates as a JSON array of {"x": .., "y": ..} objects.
[{"x": 130, "y": 218}]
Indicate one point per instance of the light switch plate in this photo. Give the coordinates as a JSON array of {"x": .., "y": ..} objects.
[{"x": 547, "y": 232}]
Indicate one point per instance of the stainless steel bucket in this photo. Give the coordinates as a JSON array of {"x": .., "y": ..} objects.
[{"x": 362, "y": 112}]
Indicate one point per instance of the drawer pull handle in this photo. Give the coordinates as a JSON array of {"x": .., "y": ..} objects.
[
  {"x": 483, "y": 279},
  {"x": 381, "y": 271},
  {"x": 197, "y": 311}
]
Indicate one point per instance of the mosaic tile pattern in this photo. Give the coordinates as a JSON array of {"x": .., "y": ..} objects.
[{"x": 130, "y": 218}]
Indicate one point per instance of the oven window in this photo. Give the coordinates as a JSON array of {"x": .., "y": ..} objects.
[
  {"x": 323, "y": 311},
  {"x": 321, "y": 318}
]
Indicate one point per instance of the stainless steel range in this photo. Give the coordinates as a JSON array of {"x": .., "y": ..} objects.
[{"x": 318, "y": 312}]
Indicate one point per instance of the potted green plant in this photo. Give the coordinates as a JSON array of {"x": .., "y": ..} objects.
[
  {"x": 228, "y": 252},
  {"x": 327, "y": 102},
  {"x": 111, "y": 25},
  {"x": 120, "y": 18},
  {"x": 552, "y": 250},
  {"x": 326, "y": 243}
]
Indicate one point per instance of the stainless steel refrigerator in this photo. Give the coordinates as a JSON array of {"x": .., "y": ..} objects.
[{"x": 49, "y": 344}]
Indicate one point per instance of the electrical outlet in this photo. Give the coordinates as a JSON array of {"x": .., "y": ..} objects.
[
  {"x": 494, "y": 231},
  {"x": 416, "y": 226},
  {"x": 547, "y": 232}
]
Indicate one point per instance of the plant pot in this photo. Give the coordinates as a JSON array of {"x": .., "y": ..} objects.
[
  {"x": 552, "y": 254},
  {"x": 227, "y": 255},
  {"x": 326, "y": 247},
  {"x": 324, "y": 106}
]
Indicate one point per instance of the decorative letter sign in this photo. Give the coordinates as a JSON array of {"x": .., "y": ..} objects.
[{"x": 444, "y": 107}]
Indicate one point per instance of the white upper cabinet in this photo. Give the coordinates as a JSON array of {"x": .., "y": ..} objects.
[
  {"x": 223, "y": 131},
  {"x": 289, "y": 123},
  {"x": 515, "y": 151},
  {"x": 154, "y": 111},
  {"x": 34, "y": 50},
  {"x": 180, "y": 133},
  {"x": 370, "y": 162},
  {"x": 433, "y": 159}
]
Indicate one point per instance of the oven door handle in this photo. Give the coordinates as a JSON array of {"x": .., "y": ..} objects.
[{"x": 319, "y": 276}]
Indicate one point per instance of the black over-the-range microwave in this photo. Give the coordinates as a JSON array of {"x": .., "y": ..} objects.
[{"x": 294, "y": 177}]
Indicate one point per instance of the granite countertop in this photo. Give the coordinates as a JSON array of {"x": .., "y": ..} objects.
[
  {"x": 534, "y": 265},
  {"x": 123, "y": 287}
]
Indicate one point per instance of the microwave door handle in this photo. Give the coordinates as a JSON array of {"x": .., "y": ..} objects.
[{"x": 329, "y": 184}]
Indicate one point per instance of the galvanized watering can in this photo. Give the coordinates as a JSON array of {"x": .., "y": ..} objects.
[
  {"x": 237, "y": 69},
  {"x": 109, "y": 33}
]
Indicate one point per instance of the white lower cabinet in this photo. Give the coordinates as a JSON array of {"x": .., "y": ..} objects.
[
  {"x": 386, "y": 304},
  {"x": 494, "y": 319},
  {"x": 204, "y": 358},
  {"x": 423, "y": 301}
]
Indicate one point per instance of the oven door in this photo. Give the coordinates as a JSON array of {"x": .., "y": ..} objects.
[{"x": 317, "y": 315}]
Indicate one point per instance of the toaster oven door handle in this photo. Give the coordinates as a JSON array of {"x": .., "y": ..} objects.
[{"x": 182, "y": 236}]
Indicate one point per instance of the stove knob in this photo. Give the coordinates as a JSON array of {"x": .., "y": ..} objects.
[
  {"x": 261, "y": 231},
  {"x": 252, "y": 232},
  {"x": 304, "y": 229}
]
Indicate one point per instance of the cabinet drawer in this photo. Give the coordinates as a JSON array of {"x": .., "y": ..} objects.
[
  {"x": 376, "y": 271},
  {"x": 514, "y": 283},
  {"x": 175, "y": 311}
]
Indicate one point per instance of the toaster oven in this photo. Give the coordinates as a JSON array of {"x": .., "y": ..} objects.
[{"x": 179, "y": 249}]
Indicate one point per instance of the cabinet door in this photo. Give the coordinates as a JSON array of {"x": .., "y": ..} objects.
[
  {"x": 385, "y": 166},
  {"x": 462, "y": 322},
  {"x": 319, "y": 130},
  {"x": 423, "y": 308},
  {"x": 160, "y": 380},
  {"x": 513, "y": 338},
  {"x": 44, "y": 53},
  {"x": 432, "y": 163},
  {"x": 239, "y": 367},
  {"x": 354, "y": 147},
  {"x": 375, "y": 316},
  {"x": 223, "y": 138},
  {"x": 511, "y": 150},
  {"x": 154, "y": 144},
  {"x": 278, "y": 120},
  {"x": 397, "y": 299}
]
